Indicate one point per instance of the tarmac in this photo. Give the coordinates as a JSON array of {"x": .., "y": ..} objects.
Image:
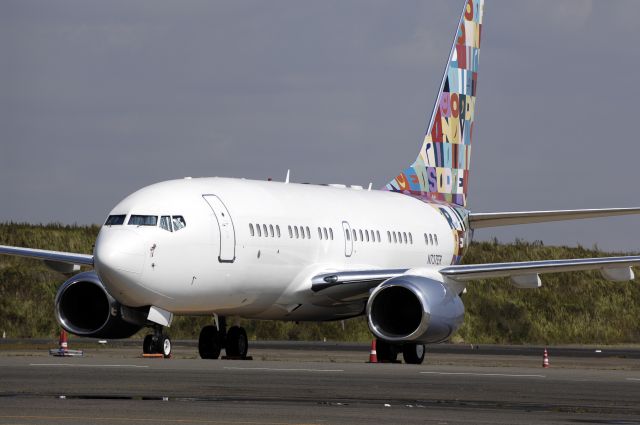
[{"x": 318, "y": 383}]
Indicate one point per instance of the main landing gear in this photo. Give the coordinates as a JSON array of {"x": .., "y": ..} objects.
[
  {"x": 214, "y": 338},
  {"x": 412, "y": 353},
  {"x": 157, "y": 343}
]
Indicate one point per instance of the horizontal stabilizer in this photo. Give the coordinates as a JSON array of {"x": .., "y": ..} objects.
[{"x": 482, "y": 220}]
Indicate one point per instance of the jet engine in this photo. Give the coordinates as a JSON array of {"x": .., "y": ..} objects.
[
  {"x": 85, "y": 308},
  {"x": 414, "y": 309}
]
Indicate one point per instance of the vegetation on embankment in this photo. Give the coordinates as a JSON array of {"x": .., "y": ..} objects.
[{"x": 570, "y": 307}]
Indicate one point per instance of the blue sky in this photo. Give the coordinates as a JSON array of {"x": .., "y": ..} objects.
[{"x": 98, "y": 99}]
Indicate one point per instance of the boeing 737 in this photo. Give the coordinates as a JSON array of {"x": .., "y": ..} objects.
[{"x": 300, "y": 252}]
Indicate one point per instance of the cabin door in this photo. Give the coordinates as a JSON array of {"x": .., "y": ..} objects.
[{"x": 227, "y": 253}]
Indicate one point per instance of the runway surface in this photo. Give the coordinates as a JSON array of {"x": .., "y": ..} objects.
[{"x": 312, "y": 384}]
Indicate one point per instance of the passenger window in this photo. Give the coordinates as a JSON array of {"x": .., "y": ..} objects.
[
  {"x": 346, "y": 232},
  {"x": 259, "y": 230},
  {"x": 378, "y": 234},
  {"x": 326, "y": 235},
  {"x": 361, "y": 235},
  {"x": 404, "y": 237},
  {"x": 251, "y": 232},
  {"x": 290, "y": 232},
  {"x": 395, "y": 239},
  {"x": 319, "y": 233},
  {"x": 430, "y": 239},
  {"x": 278, "y": 230},
  {"x": 143, "y": 220},
  {"x": 435, "y": 239},
  {"x": 410, "y": 238},
  {"x": 296, "y": 229},
  {"x": 308, "y": 233},
  {"x": 271, "y": 230},
  {"x": 331, "y": 233},
  {"x": 178, "y": 222},
  {"x": 355, "y": 235},
  {"x": 115, "y": 220},
  {"x": 165, "y": 223},
  {"x": 366, "y": 233}
]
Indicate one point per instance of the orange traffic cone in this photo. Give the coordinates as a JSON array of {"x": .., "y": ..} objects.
[
  {"x": 63, "y": 347},
  {"x": 373, "y": 356},
  {"x": 63, "y": 342},
  {"x": 545, "y": 359}
]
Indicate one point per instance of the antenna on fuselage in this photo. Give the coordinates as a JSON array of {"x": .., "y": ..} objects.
[
  {"x": 369, "y": 188},
  {"x": 286, "y": 180}
]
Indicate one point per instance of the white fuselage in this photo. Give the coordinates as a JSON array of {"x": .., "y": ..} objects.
[{"x": 250, "y": 248}]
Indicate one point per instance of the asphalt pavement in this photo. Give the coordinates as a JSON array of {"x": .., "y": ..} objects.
[{"x": 316, "y": 383}]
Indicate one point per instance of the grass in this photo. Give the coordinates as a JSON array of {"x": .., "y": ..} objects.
[{"x": 570, "y": 308}]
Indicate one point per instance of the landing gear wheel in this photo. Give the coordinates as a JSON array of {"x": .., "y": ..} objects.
[
  {"x": 387, "y": 352},
  {"x": 209, "y": 343},
  {"x": 237, "y": 345},
  {"x": 413, "y": 353},
  {"x": 164, "y": 346},
  {"x": 147, "y": 344}
]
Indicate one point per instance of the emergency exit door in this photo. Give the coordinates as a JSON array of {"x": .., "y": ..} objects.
[{"x": 348, "y": 242}]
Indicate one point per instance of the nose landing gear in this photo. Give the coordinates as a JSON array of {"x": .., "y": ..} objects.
[
  {"x": 157, "y": 343},
  {"x": 214, "y": 338}
]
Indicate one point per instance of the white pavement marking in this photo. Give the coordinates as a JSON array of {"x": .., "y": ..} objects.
[
  {"x": 507, "y": 375},
  {"x": 284, "y": 370},
  {"x": 633, "y": 379},
  {"x": 85, "y": 365}
]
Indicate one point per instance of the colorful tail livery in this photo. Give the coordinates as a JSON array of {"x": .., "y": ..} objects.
[{"x": 441, "y": 170}]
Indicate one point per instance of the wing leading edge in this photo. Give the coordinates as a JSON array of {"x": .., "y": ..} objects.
[
  {"x": 65, "y": 262},
  {"x": 611, "y": 267},
  {"x": 357, "y": 283}
]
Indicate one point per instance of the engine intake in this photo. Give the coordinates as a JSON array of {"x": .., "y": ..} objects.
[
  {"x": 414, "y": 309},
  {"x": 85, "y": 308}
]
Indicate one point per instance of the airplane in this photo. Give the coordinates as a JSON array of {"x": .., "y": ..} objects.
[{"x": 270, "y": 250}]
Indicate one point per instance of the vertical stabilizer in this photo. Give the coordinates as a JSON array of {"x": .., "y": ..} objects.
[{"x": 441, "y": 170}]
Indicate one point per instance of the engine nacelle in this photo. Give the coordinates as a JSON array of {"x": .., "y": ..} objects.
[
  {"x": 414, "y": 309},
  {"x": 85, "y": 308}
]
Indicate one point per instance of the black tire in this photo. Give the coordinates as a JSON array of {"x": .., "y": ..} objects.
[
  {"x": 386, "y": 351},
  {"x": 147, "y": 344},
  {"x": 237, "y": 343},
  {"x": 413, "y": 353},
  {"x": 209, "y": 343}
]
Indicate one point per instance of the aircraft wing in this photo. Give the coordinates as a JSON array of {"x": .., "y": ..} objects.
[
  {"x": 65, "y": 262},
  {"x": 483, "y": 220},
  {"x": 607, "y": 265},
  {"x": 353, "y": 284}
]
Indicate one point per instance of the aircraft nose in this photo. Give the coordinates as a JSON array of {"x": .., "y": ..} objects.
[{"x": 119, "y": 250}]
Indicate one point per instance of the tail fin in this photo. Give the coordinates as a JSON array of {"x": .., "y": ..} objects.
[{"x": 441, "y": 170}]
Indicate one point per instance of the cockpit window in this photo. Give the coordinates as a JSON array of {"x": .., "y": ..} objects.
[
  {"x": 143, "y": 220},
  {"x": 115, "y": 220},
  {"x": 178, "y": 222},
  {"x": 165, "y": 223}
]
